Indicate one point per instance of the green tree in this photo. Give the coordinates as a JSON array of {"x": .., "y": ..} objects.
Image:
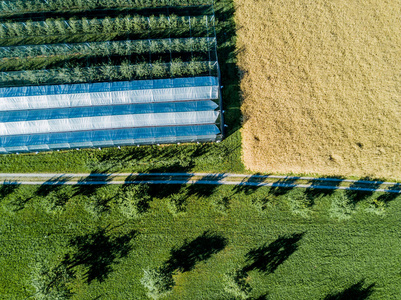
[
  {"x": 86, "y": 25},
  {"x": 109, "y": 72},
  {"x": 159, "y": 70},
  {"x": 127, "y": 70},
  {"x": 50, "y": 27},
  {"x": 95, "y": 26},
  {"x": 75, "y": 25},
  {"x": 177, "y": 68},
  {"x": 107, "y": 25},
  {"x": 142, "y": 70},
  {"x": 157, "y": 283}
]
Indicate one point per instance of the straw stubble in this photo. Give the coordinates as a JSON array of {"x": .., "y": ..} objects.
[{"x": 321, "y": 83}]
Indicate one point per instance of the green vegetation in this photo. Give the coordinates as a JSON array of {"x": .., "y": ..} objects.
[
  {"x": 121, "y": 25},
  {"x": 218, "y": 157},
  {"x": 125, "y": 242},
  {"x": 195, "y": 241},
  {"x": 107, "y": 72},
  {"x": 127, "y": 47},
  {"x": 24, "y": 6}
]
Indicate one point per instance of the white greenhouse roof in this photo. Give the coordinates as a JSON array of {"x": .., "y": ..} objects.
[
  {"x": 108, "y": 93},
  {"x": 38, "y": 118}
]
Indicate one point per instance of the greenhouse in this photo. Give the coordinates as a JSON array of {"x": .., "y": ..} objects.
[{"x": 49, "y": 117}]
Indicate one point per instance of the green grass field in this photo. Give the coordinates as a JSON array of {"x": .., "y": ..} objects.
[{"x": 284, "y": 244}]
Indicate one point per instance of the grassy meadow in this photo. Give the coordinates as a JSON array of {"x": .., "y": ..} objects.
[
  {"x": 202, "y": 242},
  {"x": 321, "y": 86}
]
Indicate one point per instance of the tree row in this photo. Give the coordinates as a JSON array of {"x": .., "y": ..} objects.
[
  {"x": 107, "y": 25},
  {"x": 127, "y": 47},
  {"x": 27, "y": 6},
  {"x": 108, "y": 72}
]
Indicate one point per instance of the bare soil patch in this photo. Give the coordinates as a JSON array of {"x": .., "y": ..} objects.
[{"x": 321, "y": 85}]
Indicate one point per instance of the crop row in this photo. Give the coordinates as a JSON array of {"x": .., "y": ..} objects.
[
  {"x": 127, "y": 47},
  {"x": 108, "y": 72},
  {"x": 127, "y": 24},
  {"x": 26, "y": 6}
]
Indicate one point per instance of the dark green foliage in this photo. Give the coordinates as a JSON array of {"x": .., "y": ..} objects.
[{"x": 9, "y": 7}]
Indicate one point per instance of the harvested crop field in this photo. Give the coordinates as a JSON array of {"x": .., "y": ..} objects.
[{"x": 321, "y": 85}]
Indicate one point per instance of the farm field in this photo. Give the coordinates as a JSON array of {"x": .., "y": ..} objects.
[
  {"x": 188, "y": 241},
  {"x": 104, "y": 51},
  {"x": 321, "y": 86},
  {"x": 209, "y": 242}
]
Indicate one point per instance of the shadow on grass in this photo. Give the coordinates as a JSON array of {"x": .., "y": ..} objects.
[
  {"x": 174, "y": 158},
  {"x": 89, "y": 185},
  {"x": 179, "y": 167},
  {"x": 201, "y": 188},
  {"x": 248, "y": 189},
  {"x": 98, "y": 252},
  {"x": 285, "y": 186},
  {"x": 51, "y": 185},
  {"x": 165, "y": 190},
  {"x": 190, "y": 253},
  {"x": 7, "y": 188},
  {"x": 388, "y": 197},
  {"x": 356, "y": 196},
  {"x": 268, "y": 258},
  {"x": 356, "y": 291},
  {"x": 316, "y": 191}
]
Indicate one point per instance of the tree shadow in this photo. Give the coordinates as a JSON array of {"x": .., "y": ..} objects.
[
  {"x": 268, "y": 258},
  {"x": 53, "y": 184},
  {"x": 190, "y": 253},
  {"x": 174, "y": 158},
  {"x": 20, "y": 200},
  {"x": 201, "y": 188},
  {"x": 89, "y": 185},
  {"x": 283, "y": 186},
  {"x": 319, "y": 187},
  {"x": 223, "y": 203},
  {"x": 179, "y": 167},
  {"x": 8, "y": 187},
  {"x": 165, "y": 190},
  {"x": 388, "y": 197},
  {"x": 248, "y": 189},
  {"x": 98, "y": 252},
  {"x": 354, "y": 292},
  {"x": 359, "y": 192}
]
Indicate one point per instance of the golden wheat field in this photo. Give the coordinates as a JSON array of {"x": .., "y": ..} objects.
[{"x": 321, "y": 83}]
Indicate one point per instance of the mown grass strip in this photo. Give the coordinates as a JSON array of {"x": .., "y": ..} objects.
[{"x": 203, "y": 236}]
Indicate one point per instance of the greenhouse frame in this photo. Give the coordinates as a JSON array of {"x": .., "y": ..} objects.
[{"x": 104, "y": 114}]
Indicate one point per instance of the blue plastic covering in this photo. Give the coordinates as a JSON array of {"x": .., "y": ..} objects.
[
  {"x": 107, "y": 86},
  {"x": 111, "y": 110},
  {"x": 109, "y": 137},
  {"x": 40, "y": 118}
]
